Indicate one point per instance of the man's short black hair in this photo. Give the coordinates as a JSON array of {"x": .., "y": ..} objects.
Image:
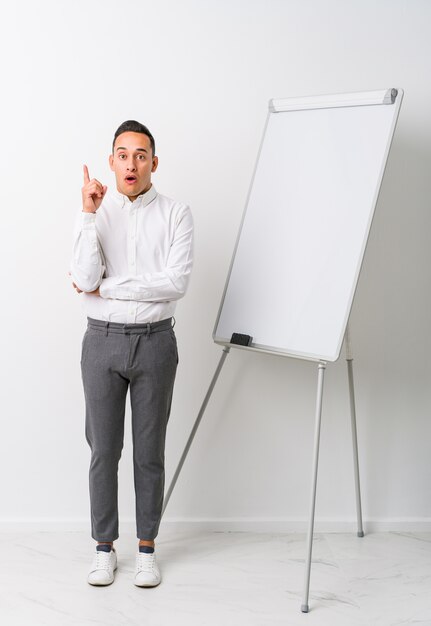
[{"x": 134, "y": 127}]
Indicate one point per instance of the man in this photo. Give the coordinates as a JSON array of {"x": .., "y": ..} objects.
[{"x": 132, "y": 259}]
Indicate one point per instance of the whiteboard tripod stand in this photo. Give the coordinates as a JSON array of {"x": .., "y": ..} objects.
[{"x": 318, "y": 415}]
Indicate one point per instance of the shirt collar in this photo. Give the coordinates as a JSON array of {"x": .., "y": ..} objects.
[{"x": 141, "y": 201}]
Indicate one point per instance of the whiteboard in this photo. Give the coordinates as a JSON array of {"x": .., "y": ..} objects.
[{"x": 306, "y": 223}]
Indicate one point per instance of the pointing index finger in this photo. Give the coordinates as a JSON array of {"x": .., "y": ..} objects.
[{"x": 86, "y": 175}]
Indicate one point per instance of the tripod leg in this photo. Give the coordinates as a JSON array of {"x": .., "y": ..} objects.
[
  {"x": 349, "y": 359},
  {"x": 226, "y": 350},
  {"x": 321, "y": 371},
  {"x": 355, "y": 447}
]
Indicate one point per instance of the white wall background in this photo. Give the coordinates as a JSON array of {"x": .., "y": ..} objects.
[{"x": 200, "y": 75}]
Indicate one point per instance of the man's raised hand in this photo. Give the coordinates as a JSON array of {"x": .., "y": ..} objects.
[{"x": 93, "y": 193}]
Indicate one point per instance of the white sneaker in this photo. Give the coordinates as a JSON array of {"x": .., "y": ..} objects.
[
  {"x": 103, "y": 567},
  {"x": 147, "y": 573}
]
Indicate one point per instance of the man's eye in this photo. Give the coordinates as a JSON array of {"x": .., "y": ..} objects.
[
  {"x": 121, "y": 156},
  {"x": 141, "y": 156}
]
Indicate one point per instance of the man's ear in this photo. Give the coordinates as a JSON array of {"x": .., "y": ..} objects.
[
  {"x": 111, "y": 161},
  {"x": 155, "y": 163}
]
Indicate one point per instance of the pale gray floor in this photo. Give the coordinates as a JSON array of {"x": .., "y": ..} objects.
[{"x": 219, "y": 579}]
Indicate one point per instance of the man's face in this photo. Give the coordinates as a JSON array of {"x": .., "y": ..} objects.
[{"x": 133, "y": 162}]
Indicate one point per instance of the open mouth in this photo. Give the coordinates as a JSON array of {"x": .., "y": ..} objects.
[{"x": 131, "y": 179}]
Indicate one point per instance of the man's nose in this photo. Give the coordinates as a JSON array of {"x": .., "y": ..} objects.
[{"x": 131, "y": 166}]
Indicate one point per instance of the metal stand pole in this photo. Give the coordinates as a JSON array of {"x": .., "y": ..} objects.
[
  {"x": 226, "y": 351},
  {"x": 349, "y": 359},
  {"x": 321, "y": 371}
]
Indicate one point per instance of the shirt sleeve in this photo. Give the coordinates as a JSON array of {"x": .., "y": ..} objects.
[
  {"x": 169, "y": 284},
  {"x": 87, "y": 265}
]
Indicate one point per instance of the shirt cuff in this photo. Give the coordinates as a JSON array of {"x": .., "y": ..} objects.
[
  {"x": 88, "y": 220},
  {"x": 118, "y": 293}
]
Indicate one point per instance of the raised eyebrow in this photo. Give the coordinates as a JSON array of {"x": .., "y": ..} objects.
[{"x": 137, "y": 149}]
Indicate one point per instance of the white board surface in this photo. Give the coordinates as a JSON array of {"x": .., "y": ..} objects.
[{"x": 305, "y": 226}]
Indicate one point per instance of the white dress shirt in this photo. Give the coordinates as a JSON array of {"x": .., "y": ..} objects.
[{"x": 139, "y": 254}]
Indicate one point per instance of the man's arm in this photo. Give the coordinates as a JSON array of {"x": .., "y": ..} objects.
[
  {"x": 87, "y": 265},
  {"x": 169, "y": 284}
]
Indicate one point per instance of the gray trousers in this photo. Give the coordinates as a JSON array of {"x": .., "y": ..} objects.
[{"x": 114, "y": 356}]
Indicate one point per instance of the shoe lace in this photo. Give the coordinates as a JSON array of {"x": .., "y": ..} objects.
[
  {"x": 145, "y": 561},
  {"x": 102, "y": 560}
]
